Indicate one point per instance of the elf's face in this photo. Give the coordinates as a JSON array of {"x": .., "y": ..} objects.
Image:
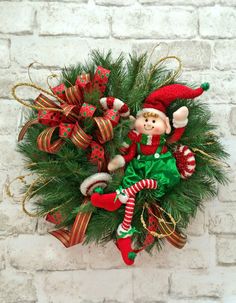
[{"x": 150, "y": 125}]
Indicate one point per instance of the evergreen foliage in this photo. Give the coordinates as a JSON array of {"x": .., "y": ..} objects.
[{"x": 62, "y": 173}]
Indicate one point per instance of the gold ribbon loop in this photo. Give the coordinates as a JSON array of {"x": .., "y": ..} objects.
[
  {"x": 26, "y": 127},
  {"x": 165, "y": 229},
  {"x": 105, "y": 129},
  {"x": 74, "y": 95},
  {"x": 80, "y": 138},
  {"x": 44, "y": 141}
]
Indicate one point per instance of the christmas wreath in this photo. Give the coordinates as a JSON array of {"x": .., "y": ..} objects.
[{"x": 103, "y": 175}]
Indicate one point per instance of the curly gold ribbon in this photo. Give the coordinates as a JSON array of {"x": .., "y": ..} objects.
[
  {"x": 160, "y": 220},
  {"x": 173, "y": 76},
  {"x": 23, "y": 102}
]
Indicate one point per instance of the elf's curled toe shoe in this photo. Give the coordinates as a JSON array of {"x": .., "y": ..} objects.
[
  {"x": 125, "y": 247},
  {"x": 124, "y": 244}
]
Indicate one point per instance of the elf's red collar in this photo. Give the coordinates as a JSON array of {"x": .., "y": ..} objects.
[{"x": 144, "y": 139}]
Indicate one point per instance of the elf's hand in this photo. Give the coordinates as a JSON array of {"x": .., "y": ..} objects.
[
  {"x": 180, "y": 117},
  {"x": 117, "y": 162}
]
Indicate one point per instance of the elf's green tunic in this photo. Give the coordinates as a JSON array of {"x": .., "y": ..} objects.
[{"x": 160, "y": 167}]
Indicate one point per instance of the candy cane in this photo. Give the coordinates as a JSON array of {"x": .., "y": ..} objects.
[
  {"x": 115, "y": 103},
  {"x": 185, "y": 161}
]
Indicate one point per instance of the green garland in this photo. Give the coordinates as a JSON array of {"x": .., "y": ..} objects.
[{"x": 129, "y": 81}]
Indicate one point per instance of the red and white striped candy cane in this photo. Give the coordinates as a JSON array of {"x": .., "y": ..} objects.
[
  {"x": 185, "y": 161},
  {"x": 115, "y": 103}
]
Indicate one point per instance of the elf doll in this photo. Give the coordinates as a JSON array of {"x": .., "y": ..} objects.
[{"x": 148, "y": 162}]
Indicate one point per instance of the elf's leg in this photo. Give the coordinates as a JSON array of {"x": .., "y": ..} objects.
[{"x": 125, "y": 232}]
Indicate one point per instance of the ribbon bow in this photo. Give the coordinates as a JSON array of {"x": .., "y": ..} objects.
[{"x": 67, "y": 117}]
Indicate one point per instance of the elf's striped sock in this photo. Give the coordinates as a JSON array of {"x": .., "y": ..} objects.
[
  {"x": 137, "y": 187},
  {"x": 131, "y": 192}
]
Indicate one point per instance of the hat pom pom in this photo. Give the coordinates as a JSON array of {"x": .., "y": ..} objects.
[{"x": 205, "y": 86}]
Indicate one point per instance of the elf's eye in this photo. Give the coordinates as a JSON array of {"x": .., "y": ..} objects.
[
  {"x": 153, "y": 121},
  {"x": 146, "y": 120}
]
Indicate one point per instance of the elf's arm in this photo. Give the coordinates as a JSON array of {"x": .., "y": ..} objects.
[
  {"x": 120, "y": 161},
  {"x": 176, "y": 136},
  {"x": 180, "y": 120}
]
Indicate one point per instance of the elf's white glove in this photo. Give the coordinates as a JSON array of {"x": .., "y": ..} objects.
[
  {"x": 117, "y": 162},
  {"x": 180, "y": 117}
]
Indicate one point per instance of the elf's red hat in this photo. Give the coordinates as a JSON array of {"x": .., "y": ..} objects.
[{"x": 160, "y": 99}]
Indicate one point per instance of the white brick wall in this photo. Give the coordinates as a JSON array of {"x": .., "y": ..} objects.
[{"x": 35, "y": 267}]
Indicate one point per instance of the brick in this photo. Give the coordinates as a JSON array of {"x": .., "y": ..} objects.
[
  {"x": 228, "y": 276},
  {"x": 225, "y": 56},
  {"x": 222, "y": 220},
  {"x": 201, "y": 300},
  {"x": 180, "y": 2},
  {"x": 89, "y": 286},
  {"x": 217, "y": 22},
  {"x": 115, "y": 2},
  {"x": 6, "y": 80},
  {"x": 10, "y": 158},
  {"x": 105, "y": 257},
  {"x": 195, "y": 284},
  {"x": 14, "y": 221},
  {"x": 217, "y": 111},
  {"x": 193, "y": 54},
  {"x": 69, "y": 1},
  {"x": 10, "y": 110},
  {"x": 226, "y": 248},
  {"x": 60, "y": 52},
  {"x": 24, "y": 14},
  {"x": 228, "y": 2},
  {"x": 85, "y": 22},
  {"x": 192, "y": 256},
  {"x": 16, "y": 287},
  {"x": 147, "y": 22},
  {"x": 229, "y": 144},
  {"x": 145, "y": 285},
  {"x": 45, "y": 253},
  {"x": 222, "y": 87},
  {"x": 232, "y": 121},
  {"x": 196, "y": 225},
  {"x": 227, "y": 193},
  {"x": 4, "y": 53},
  {"x": 2, "y": 255}
]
